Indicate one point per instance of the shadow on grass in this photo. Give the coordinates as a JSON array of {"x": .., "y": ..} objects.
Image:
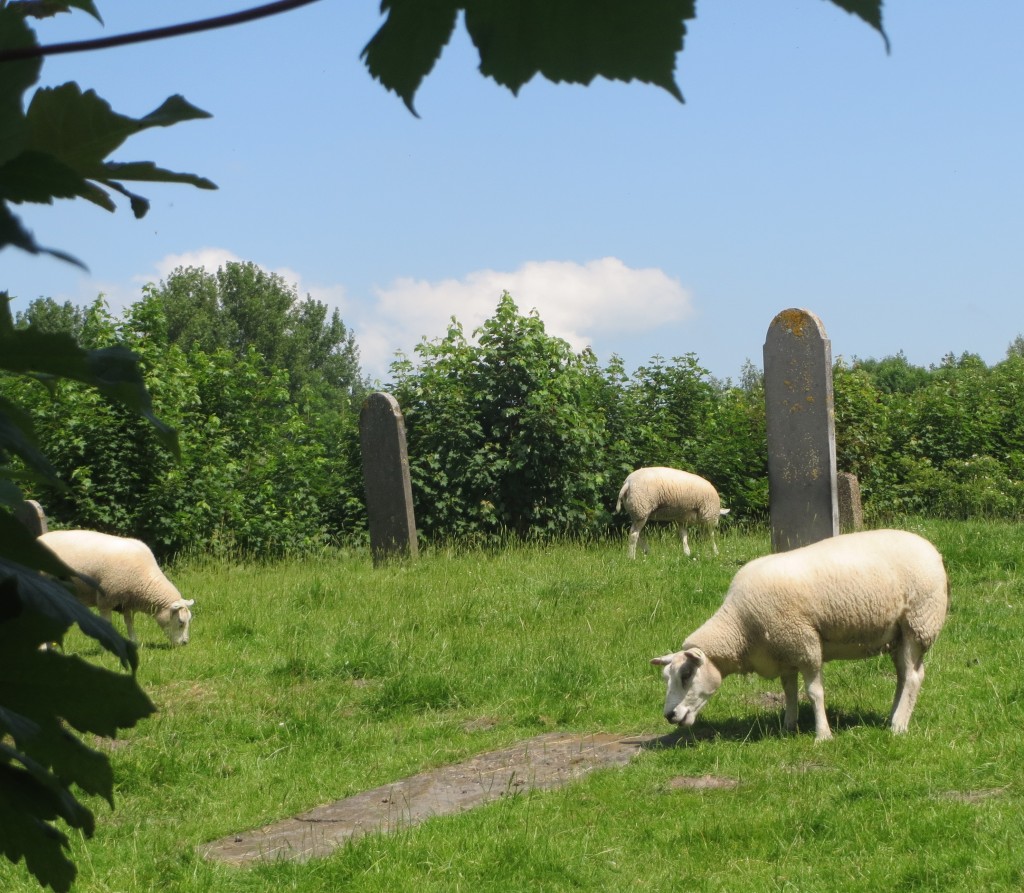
[
  {"x": 92, "y": 649},
  {"x": 761, "y": 727},
  {"x": 159, "y": 646}
]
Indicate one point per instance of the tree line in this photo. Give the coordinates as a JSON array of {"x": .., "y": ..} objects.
[{"x": 510, "y": 431}]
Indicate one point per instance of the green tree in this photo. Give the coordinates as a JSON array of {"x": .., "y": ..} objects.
[
  {"x": 242, "y": 307},
  {"x": 669, "y": 404},
  {"x": 259, "y": 319},
  {"x": 190, "y": 302},
  {"x": 674, "y": 413},
  {"x": 323, "y": 349},
  {"x": 1007, "y": 390},
  {"x": 612, "y": 397},
  {"x": 49, "y": 316},
  {"x": 895, "y": 374},
  {"x": 102, "y": 453},
  {"x": 261, "y": 470},
  {"x": 731, "y": 450},
  {"x": 954, "y": 417},
  {"x": 865, "y": 414},
  {"x": 514, "y": 433},
  {"x": 947, "y": 442},
  {"x": 505, "y": 434}
]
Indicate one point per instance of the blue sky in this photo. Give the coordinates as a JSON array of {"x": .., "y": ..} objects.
[{"x": 807, "y": 168}]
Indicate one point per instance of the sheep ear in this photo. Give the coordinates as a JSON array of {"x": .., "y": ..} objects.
[
  {"x": 181, "y": 603},
  {"x": 662, "y": 661},
  {"x": 696, "y": 655},
  {"x": 724, "y": 511}
]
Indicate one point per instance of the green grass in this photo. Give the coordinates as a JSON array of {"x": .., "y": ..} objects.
[{"x": 309, "y": 681}]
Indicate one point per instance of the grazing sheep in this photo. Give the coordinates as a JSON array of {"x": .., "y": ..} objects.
[
  {"x": 668, "y": 494},
  {"x": 851, "y": 596},
  {"x": 126, "y": 577}
]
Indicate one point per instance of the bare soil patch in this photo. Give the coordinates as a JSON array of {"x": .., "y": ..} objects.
[
  {"x": 542, "y": 763},
  {"x": 976, "y": 796},
  {"x": 702, "y": 783}
]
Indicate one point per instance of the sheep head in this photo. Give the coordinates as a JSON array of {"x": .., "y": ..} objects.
[
  {"x": 691, "y": 680},
  {"x": 176, "y": 619}
]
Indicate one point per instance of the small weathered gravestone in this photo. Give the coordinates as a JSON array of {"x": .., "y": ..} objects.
[
  {"x": 800, "y": 419},
  {"x": 851, "y": 515},
  {"x": 31, "y": 514},
  {"x": 386, "y": 479}
]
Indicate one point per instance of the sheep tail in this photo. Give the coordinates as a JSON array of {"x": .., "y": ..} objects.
[{"x": 622, "y": 495}]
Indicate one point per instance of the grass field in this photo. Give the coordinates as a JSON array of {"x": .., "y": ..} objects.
[{"x": 309, "y": 681}]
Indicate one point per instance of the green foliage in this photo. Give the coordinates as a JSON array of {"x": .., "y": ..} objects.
[
  {"x": 504, "y": 434},
  {"x": 894, "y": 374},
  {"x": 43, "y": 694},
  {"x": 58, "y": 146},
  {"x": 510, "y": 432},
  {"x": 242, "y": 307},
  {"x": 668, "y": 407},
  {"x": 731, "y": 450},
  {"x": 674, "y": 413},
  {"x": 864, "y": 426},
  {"x": 946, "y": 442},
  {"x": 46, "y": 694},
  {"x": 513, "y": 433},
  {"x": 570, "y": 41},
  {"x": 49, "y": 316},
  {"x": 266, "y": 465}
]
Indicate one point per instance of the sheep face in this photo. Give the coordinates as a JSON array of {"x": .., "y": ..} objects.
[
  {"x": 691, "y": 680},
  {"x": 176, "y": 619}
]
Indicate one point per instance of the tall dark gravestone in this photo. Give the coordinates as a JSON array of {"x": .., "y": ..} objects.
[
  {"x": 386, "y": 479},
  {"x": 801, "y": 431}
]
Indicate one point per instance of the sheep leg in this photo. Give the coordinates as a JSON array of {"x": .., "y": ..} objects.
[
  {"x": 909, "y": 661},
  {"x": 714, "y": 545},
  {"x": 815, "y": 688},
  {"x": 684, "y": 539},
  {"x": 635, "y": 536},
  {"x": 129, "y": 626},
  {"x": 791, "y": 687},
  {"x": 108, "y": 615}
]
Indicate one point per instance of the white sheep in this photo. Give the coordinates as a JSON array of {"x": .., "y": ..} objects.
[
  {"x": 127, "y": 579},
  {"x": 668, "y": 494},
  {"x": 848, "y": 597}
]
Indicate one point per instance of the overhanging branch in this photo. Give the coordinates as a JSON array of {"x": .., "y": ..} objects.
[{"x": 100, "y": 43}]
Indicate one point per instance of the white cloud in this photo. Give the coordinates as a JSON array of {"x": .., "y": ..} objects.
[
  {"x": 210, "y": 259},
  {"x": 578, "y": 302}
]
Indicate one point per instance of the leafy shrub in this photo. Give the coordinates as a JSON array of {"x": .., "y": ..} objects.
[
  {"x": 979, "y": 487},
  {"x": 505, "y": 434},
  {"x": 253, "y": 473}
]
